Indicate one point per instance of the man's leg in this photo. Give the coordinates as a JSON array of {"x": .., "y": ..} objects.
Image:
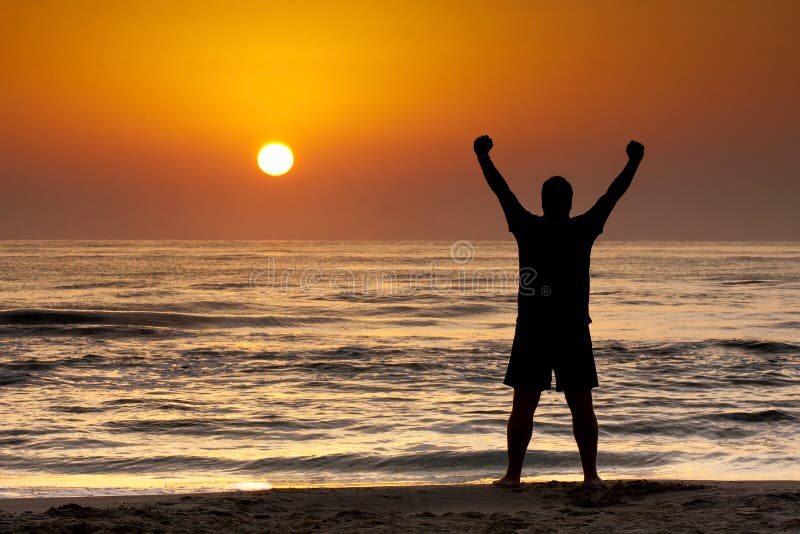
[
  {"x": 518, "y": 434},
  {"x": 584, "y": 428}
]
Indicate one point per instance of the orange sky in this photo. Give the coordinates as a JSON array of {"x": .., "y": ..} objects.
[{"x": 143, "y": 119}]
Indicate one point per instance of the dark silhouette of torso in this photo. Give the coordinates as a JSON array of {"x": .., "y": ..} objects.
[{"x": 554, "y": 260}]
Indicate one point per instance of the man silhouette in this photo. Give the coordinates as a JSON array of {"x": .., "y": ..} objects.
[{"x": 552, "y": 332}]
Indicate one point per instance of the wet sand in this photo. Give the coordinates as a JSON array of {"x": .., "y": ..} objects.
[{"x": 622, "y": 506}]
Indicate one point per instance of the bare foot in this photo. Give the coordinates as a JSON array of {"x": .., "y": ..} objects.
[
  {"x": 507, "y": 482},
  {"x": 594, "y": 482}
]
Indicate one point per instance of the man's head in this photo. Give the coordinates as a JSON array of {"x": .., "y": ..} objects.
[{"x": 556, "y": 198}]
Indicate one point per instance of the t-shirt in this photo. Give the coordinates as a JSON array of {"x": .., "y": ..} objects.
[{"x": 554, "y": 264}]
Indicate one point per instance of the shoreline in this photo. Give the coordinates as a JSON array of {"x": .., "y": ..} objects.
[{"x": 670, "y": 505}]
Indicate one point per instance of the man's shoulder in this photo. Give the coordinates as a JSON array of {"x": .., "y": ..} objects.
[
  {"x": 582, "y": 218},
  {"x": 587, "y": 223},
  {"x": 526, "y": 224}
]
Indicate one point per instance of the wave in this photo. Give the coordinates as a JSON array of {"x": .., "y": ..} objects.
[
  {"x": 99, "y": 284},
  {"x": 683, "y": 347},
  {"x": 748, "y": 282},
  {"x": 769, "y": 347},
  {"x": 458, "y": 310},
  {"x": 711, "y": 426},
  {"x": 11, "y": 378},
  {"x": 382, "y": 368},
  {"x": 105, "y": 332},
  {"x": 787, "y": 324},
  {"x": 423, "y": 323},
  {"x": 763, "y": 416},
  {"x": 18, "y": 371},
  {"x": 222, "y": 285},
  {"x": 437, "y": 461},
  {"x": 382, "y": 298},
  {"x": 157, "y": 319}
]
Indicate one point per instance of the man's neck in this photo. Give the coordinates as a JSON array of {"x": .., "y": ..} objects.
[{"x": 555, "y": 218}]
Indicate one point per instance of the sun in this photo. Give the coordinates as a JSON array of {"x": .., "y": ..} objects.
[{"x": 275, "y": 159}]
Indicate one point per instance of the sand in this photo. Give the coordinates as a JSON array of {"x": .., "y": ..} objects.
[{"x": 623, "y": 506}]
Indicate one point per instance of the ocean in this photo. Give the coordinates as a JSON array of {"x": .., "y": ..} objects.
[{"x": 148, "y": 367}]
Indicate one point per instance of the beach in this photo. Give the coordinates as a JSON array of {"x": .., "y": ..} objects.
[{"x": 622, "y": 506}]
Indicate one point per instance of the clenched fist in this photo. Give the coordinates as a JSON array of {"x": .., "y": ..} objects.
[
  {"x": 635, "y": 150},
  {"x": 482, "y": 145}
]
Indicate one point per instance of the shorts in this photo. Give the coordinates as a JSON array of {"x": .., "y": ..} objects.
[{"x": 541, "y": 349}]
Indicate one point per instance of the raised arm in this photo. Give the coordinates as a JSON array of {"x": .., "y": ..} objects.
[
  {"x": 605, "y": 204},
  {"x": 508, "y": 201},
  {"x": 635, "y": 151}
]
